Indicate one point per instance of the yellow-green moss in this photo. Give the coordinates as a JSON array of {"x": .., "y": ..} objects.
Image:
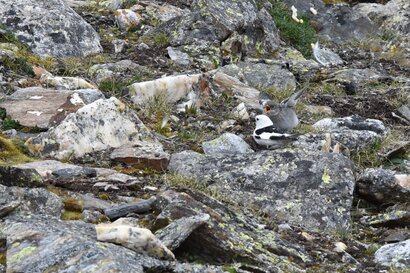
[
  {"x": 10, "y": 154},
  {"x": 71, "y": 215},
  {"x": 73, "y": 204}
]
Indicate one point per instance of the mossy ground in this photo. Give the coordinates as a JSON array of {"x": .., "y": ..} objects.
[{"x": 10, "y": 153}]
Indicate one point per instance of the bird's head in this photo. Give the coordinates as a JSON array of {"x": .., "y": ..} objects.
[
  {"x": 263, "y": 121},
  {"x": 271, "y": 107}
]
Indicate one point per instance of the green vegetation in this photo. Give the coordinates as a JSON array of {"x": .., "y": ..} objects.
[
  {"x": 10, "y": 153},
  {"x": 11, "y": 124},
  {"x": 158, "y": 39},
  {"x": 299, "y": 35}
]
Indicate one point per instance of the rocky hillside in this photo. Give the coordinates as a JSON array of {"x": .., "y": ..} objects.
[{"x": 126, "y": 136}]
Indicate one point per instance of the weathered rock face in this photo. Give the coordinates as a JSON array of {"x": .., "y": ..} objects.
[
  {"x": 338, "y": 23},
  {"x": 14, "y": 176},
  {"x": 228, "y": 143},
  {"x": 215, "y": 21},
  {"x": 307, "y": 188},
  {"x": 394, "y": 255},
  {"x": 261, "y": 75},
  {"x": 384, "y": 186},
  {"x": 353, "y": 132},
  {"x": 44, "y": 108},
  {"x": 221, "y": 237},
  {"x": 107, "y": 71},
  {"x": 37, "y": 201},
  {"x": 358, "y": 76},
  {"x": 50, "y": 28},
  {"x": 98, "y": 126},
  {"x": 142, "y": 154},
  {"x": 46, "y": 243}
]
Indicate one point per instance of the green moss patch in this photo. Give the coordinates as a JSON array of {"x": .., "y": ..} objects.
[
  {"x": 10, "y": 154},
  {"x": 299, "y": 35}
]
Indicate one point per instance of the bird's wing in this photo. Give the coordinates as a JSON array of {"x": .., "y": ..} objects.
[
  {"x": 292, "y": 100},
  {"x": 268, "y": 129},
  {"x": 263, "y": 98}
]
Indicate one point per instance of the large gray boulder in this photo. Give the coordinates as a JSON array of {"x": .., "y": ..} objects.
[
  {"x": 394, "y": 255},
  {"x": 214, "y": 21},
  {"x": 308, "y": 188},
  {"x": 50, "y": 27},
  {"x": 99, "y": 126}
]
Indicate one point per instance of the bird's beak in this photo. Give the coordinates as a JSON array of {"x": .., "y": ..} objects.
[{"x": 267, "y": 108}]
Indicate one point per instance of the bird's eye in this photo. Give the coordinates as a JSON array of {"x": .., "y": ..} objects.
[{"x": 267, "y": 108}]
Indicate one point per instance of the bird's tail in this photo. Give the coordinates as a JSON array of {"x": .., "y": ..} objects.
[{"x": 292, "y": 100}]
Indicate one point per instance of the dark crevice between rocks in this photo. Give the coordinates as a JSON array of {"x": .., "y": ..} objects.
[{"x": 3, "y": 252}]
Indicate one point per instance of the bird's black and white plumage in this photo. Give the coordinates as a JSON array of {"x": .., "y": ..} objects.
[
  {"x": 265, "y": 134},
  {"x": 282, "y": 115}
]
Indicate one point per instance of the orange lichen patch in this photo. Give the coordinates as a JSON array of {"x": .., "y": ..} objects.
[
  {"x": 124, "y": 11},
  {"x": 116, "y": 12}
]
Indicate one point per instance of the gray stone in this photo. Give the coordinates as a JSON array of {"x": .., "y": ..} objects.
[
  {"x": 48, "y": 244},
  {"x": 32, "y": 201},
  {"x": 50, "y": 27},
  {"x": 394, "y": 255},
  {"x": 228, "y": 143},
  {"x": 335, "y": 22},
  {"x": 143, "y": 155},
  {"x": 227, "y": 234},
  {"x": 384, "y": 186},
  {"x": 392, "y": 218},
  {"x": 99, "y": 126},
  {"x": 178, "y": 57},
  {"x": 404, "y": 110},
  {"x": 44, "y": 108},
  {"x": 260, "y": 75},
  {"x": 14, "y": 176},
  {"x": 358, "y": 76},
  {"x": 173, "y": 235},
  {"x": 308, "y": 188}
]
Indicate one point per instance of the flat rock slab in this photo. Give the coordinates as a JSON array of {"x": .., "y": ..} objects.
[
  {"x": 308, "y": 188},
  {"x": 394, "y": 255},
  {"x": 143, "y": 155},
  {"x": 44, "y": 108},
  {"x": 50, "y": 27}
]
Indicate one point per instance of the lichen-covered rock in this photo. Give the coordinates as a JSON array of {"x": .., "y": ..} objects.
[
  {"x": 392, "y": 218},
  {"x": 384, "y": 186},
  {"x": 14, "y": 176},
  {"x": 70, "y": 83},
  {"x": 261, "y": 75},
  {"x": 224, "y": 238},
  {"x": 126, "y": 19},
  {"x": 394, "y": 255},
  {"x": 354, "y": 132},
  {"x": 228, "y": 143},
  {"x": 358, "y": 76},
  {"x": 44, "y": 243},
  {"x": 101, "y": 125},
  {"x": 214, "y": 21},
  {"x": 44, "y": 108},
  {"x": 31, "y": 201},
  {"x": 173, "y": 235},
  {"x": 302, "y": 187},
  {"x": 50, "y": 27},
  {"x": 142, "y": 154}
]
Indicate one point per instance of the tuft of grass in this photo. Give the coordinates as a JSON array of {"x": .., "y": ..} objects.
[
  {"x": 114, "y": 87},
  {"x": 18, "y": 65},
  {"x": 9, "y": 124},
  {"x": 372, "y": 249},
  {"x": 10, "y": 154},
  {"x": 299, "y": 35},
  {"x": 157, "y": 38}
]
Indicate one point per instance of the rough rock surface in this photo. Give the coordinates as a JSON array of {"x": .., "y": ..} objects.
[
  {"x": 384, "y": 186},
  {"x": 14, "y": 176},
  {"x": 290, "y": 186},
  {"x": 143, "y": 155},
  {"x": 395, "y": 255},
  {"x": 228, "y": 143},
  {"x": 44, "y": 108},
  {"x": 50, "y": 27},
  {"x": 111, "y": 126},
  {"x": 261, "y": 75}
]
